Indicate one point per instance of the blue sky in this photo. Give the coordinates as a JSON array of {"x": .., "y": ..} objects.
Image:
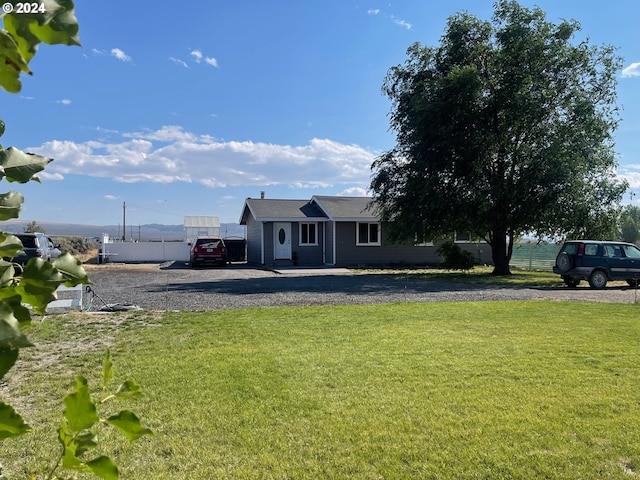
[{"x": 188, "y": 108}]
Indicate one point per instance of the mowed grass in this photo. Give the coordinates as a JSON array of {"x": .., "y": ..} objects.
[
  {"x": 481, "y": 390},
  {"x": 478, "y": 275}
]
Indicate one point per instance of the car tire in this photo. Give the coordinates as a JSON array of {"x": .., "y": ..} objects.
[
  {"x": 598, "y": 279},
  {"x": 571, "y": 282},
  {"x": 634, "y": 283},
  {"x": 564, "y": 262}
]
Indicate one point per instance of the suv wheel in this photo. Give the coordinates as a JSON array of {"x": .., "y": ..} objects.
[
  {"x": 564, "y": 262},
  {"x": 598, "y": 279}
]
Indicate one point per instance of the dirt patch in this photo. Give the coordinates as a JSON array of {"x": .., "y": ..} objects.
[
  {"x": 63, "y": 355},
  {"x": 122, "y": 267}
]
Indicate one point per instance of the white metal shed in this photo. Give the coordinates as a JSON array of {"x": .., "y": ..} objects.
[{"x": 200, "y": 225}]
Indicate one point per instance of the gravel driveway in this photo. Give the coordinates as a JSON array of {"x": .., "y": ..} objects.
[{"x": 177, "y": 287}]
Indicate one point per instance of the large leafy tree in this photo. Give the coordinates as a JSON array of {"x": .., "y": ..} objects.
[
  {"x": 630, "y": 224},
  {"x": 504, "y": 128}
]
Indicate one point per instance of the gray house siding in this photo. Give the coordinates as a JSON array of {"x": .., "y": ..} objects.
[
  {"x": 254, "y": 242},
  {"x": 268, "y": 243},
  {"x": 259, "y": 233},
  {"x": 350, "y": 254},
  {"x": 328, "y": 243},
  {"x": 310, "y": 255}
]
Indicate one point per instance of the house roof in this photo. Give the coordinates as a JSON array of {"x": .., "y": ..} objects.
[
  {"x": 346, "y": 208},
  {"x": 319, "y": 208},
  {"x": 274, "y": 210}
]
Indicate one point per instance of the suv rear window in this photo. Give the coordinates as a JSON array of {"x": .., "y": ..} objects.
[
  {"x": 570, "y": 248},
  {"x": 209, "y": 242},
  {"x": 28, "y": 241}
]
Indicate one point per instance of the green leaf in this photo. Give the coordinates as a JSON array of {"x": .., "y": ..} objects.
[
  {"x": 11, "y": 63},
  {"x": 71, "y": 269},
  {"x": 56, "y": 25},
  {"x": 19, "y": 166},
  {"x": 129, "y": 390},
  {"x": 8, "y": 357},
  {"x": 107, "y": 369},
  {"x": 60, "y": 26},
  {"x": 9, "y": 77},
  {"x": 13, "y": 300},
  {"x": 84, "y": 441},
  {"x": 129, "y": 425},
  {"x": 70, "y": 448},
  {"x": 38, "y": 284},
  {"x": 10, "y": 204},
  {"x": 2, "y": 127},
  {"x": 10, "y": 245},
  {"x": 10, "y": 334},
  {"x": 11, "y": 424},
  {"x": 80, "y": 410},
  {"x": 104, "y": 467},
  {"x": 7, "y": 274}
]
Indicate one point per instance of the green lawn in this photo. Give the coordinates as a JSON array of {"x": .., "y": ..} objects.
[
  {"x": 445, "y": 391},
  {"x": 478, "y": 275}
]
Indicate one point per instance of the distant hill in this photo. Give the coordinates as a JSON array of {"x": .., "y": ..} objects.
[{"x": 149, "y": 232}]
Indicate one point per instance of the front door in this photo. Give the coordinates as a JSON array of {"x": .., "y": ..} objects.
[{"x": 282, "y": 241}]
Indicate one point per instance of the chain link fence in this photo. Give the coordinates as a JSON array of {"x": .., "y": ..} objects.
[{"x": 534, "y": 256}]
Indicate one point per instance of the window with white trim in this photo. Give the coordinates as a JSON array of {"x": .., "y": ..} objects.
[
  {"x": 367, "y": 233},
  {"x": 308, "y": 234}
]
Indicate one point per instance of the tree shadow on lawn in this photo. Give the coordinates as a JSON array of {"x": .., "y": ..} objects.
[
  {"x": 348, "y": 284},
  {"x": 335, "y": 284}
]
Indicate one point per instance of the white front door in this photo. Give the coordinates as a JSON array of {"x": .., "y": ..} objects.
[{"x": 282, "y": 241}]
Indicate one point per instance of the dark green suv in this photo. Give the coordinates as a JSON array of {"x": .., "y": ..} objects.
[
  {"x": 598, "y": 262},
  {"x": 36, "y": 245}
]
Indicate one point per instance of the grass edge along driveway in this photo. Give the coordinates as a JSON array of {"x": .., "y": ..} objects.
[{"x": 453, "y": 390}]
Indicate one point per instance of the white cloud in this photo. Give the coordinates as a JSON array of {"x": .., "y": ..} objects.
[
  {"x": 632, "y": 70},
  {"x": 211, "y": 61},
  {"x": 402, "y": 23},
  {"x": 64, "y": 101},
  {"x": 170, "y": 155},
  {"x": 631, "y": 173},
  {"x": 393, "y": 18},
  {"x": 120, "y": 55},
  {"x": 354, "y": 192},
  {"x": 44, "y": 175},
  {"x": 177, "y": 61},
  {"x": 111, "y": 197},
  {"x": 199, "y": 57},
  {"x": 167, "y": 133}
]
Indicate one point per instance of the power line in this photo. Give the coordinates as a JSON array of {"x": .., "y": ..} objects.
[{"x": 156, "y": 211}]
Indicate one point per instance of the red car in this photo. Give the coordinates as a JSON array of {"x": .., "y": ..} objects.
[{"x": 209, "y": 250}]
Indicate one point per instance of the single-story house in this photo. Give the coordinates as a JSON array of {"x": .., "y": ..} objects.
[{"x": 328, "y": 230}]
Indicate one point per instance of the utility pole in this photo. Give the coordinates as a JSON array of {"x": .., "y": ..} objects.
[{"x": 124, "y": 221}]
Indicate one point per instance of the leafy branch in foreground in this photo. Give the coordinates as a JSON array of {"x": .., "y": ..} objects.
[
  {"x": 35, "y": 285},
  {"x": 77, "y": 433}
]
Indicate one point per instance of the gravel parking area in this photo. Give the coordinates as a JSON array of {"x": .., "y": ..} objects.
[{"x": 177, "y": 287}]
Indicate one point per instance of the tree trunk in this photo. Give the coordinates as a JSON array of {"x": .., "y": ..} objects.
[{"x": 501, "y": 250}]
